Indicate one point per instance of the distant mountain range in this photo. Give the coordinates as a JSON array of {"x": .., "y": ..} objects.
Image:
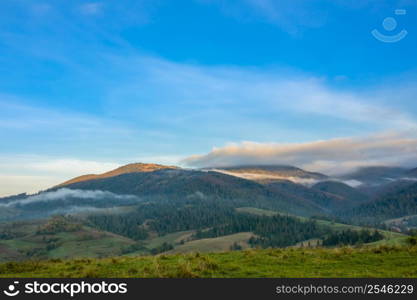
[
  {"x": 412, "y": 173},
  {"x": 141, "y": 204},
  {"x": 180, "y": 184},
  {"x": 379, "y": 175},
  {"x": 365, "y": 177},
  {"x": 283, "y": 188}
]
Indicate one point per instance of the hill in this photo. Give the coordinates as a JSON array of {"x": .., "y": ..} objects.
[
  {"x": 399, "y": 202},
  {"x": 283, "y": 195},
  {"x": 328, "y": 203},
  {"x": 179, "y": 184},
  {"x": 383, "y": 261},
  {"x": 57, "y": 238},
  {"x": 412, "y": 173},
  {"x": 167, "y": 209},
  {"x": 350, "y": 196},
  {"x": 130, "y": 168},
  {"x": 376, "y": 175}
]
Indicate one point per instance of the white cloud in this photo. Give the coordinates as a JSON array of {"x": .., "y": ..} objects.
[
  {"x": 333, "y": 157},
  {"x": 257, "y": 176},
  {"x": 65, "y": 193},
  {"x": 230, "y": 93},
  {"x": 16, "y": 114}
]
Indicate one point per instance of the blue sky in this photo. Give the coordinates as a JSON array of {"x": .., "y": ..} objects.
[{"x": 88, "y": 85}]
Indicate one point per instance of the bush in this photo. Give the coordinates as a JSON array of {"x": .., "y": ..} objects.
[
  {"x": 162, "y": 248},
  {"x": 412, "y": 240}
]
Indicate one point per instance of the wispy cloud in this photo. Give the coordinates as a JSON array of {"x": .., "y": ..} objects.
[
  {"x": 92, "y": 8},
  {"x": 335, "y": 156},
  {"x": 65, "y": 193},
  {"x": 16, "y": 114},
  {"x": 204, "y": 90},
  {"x": 294, "y": 16}
]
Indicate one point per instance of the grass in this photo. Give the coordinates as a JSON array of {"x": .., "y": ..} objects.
[
  {"x": 308, "y": 243},
  {"x": 379, "y": 261},
  {"x": 86, "y": 242},
  {"x": 218, "y": 244},
  {"x": 171, "y": 238}
]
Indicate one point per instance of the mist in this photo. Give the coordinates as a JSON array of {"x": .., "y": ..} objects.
[{"x": 66, "y": 194}]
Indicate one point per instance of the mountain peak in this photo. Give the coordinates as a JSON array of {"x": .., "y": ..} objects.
[{"x": 129, "y": 168}]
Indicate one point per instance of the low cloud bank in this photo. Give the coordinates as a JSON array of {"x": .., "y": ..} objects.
[
  {"x": 65, "y": 193},
  {"x": 331, "y": 157}
]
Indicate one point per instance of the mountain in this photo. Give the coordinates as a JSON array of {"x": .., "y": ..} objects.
[
  {"x": 266, "y": 187},
  {"x": 130, "y": 168},
  {"x": 153, "y": 209},
  {"x": 326, "y": 202},
  {"x": 350, "y": 195},
  {"x": 376, "y": 175},
  {"x": 179, "y": 185},
  {"x": 412, "y": 173},
  {"x": 375, "y": 191},
  {"x": 397, "y": 202},
  {"x": 273, "y": 173}
]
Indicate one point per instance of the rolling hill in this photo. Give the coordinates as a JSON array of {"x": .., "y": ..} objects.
[
  {"x": 57, "y": 238},
  {"x": 412, "y": 173},
  {"x": 377, "y": 175},
  {"x": 349, "y": 195},
  {"x": 399, "y": 202}
]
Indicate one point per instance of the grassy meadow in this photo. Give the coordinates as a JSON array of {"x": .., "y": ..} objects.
[{"x": 375, "y": 261}]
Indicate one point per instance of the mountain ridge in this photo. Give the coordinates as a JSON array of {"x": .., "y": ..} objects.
[{"x": 125, "y": 169}]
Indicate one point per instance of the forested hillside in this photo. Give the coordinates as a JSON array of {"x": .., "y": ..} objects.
[{"x": 402, "y": 202}]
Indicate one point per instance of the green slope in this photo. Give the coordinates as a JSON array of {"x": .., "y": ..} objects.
[
  {"x": 391, "y": 238},
  {"x": 217, "y": 244},
  {"x": 81, "y": 241},
  {"x": 380, "y": 261}
]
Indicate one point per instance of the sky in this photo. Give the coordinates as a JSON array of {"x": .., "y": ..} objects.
[{"x": 87, "y": 86}]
